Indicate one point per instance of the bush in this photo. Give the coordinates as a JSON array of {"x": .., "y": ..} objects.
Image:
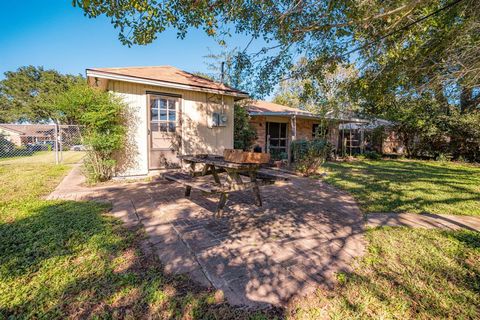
[
  {"x": 102, "y": 114},
  {"x": 243, "y": 133},
  {"x": 310, "y": 155},
  {"x": 372, "y": 155}
]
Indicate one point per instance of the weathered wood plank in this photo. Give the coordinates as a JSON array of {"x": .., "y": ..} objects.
[
  {"x": 240, "y": 156},
  {"x": 220, "y": 162}
]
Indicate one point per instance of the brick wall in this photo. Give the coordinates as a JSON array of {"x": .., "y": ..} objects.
[
  {"x": 304, "y": 130},
  {"x": 259, "y": 124}
]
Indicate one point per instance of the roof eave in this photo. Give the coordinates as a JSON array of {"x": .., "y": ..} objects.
[
  {"x": 166, "y": 84},
  {"x": 303, "y": 115},
  {"x": 12, "y": 130}
]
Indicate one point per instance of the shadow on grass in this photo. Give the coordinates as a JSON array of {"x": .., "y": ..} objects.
[
  {"x": 67, "y": 259},
  {"x": 409, "y": 274},
  {"x": 407, "y": 186}
]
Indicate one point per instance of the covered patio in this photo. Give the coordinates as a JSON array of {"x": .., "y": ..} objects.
[{"x": 277, "y": 126}]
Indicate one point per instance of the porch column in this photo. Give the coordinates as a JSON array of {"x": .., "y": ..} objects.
[
  {"x": 293, "y": 136},
  {"x": 362, "y": 140}
]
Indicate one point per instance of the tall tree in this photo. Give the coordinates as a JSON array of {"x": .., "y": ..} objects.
[
  {"x": 27, "y": 94},
  {"x": 439, "y": 39}
]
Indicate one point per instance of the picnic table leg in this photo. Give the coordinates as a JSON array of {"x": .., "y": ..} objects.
[
  {"x": 188, "y": 190},
  {"x": 215, "y": 175},
  {"x": 256, "y": 189},
  {"x": 221, "y": 204}
]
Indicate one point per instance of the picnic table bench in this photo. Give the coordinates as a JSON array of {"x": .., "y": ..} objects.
[{"x": 213, "y": 165}]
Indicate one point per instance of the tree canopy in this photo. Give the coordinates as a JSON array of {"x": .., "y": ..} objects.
[
  {"x": 433, "y": 41},
  {"x": 28, "y": 94},
  {"x": 416, "y": 62}
]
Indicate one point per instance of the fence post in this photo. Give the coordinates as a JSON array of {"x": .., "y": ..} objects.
[
  {"x": 60, "y": 139},
  {"x": 56, "y": 143}
]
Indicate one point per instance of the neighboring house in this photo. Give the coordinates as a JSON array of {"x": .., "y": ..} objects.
[
  {"x": 277, "y": 125},
  {"x": 24, "y": 134},
  {"x": 171, "y": 112}
]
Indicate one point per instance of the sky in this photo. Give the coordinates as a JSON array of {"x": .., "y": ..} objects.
[{"x": 54, "y": 34}]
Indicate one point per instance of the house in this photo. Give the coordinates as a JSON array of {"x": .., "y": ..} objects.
[
  {"x": 277, "y": 126},
  {"x": 171, "y": 112},
  {"x": 24, "y": 134},
  {"x": 373, "y": 135}
]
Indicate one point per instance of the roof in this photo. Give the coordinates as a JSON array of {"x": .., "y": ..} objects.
[
  {"x": 165, "y": 75},
  {"x": 265, "y": 108},
  {"x": 38, "y": 130}
]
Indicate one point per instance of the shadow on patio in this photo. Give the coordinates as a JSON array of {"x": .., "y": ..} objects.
[{"x": 305, "y": 233}]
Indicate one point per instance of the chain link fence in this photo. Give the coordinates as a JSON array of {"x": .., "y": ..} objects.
[{"x": 41, "y": 143}]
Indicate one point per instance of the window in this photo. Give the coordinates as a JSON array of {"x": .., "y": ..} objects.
[
  {"x": 319, "y": 131},
  {"x": 163, "y": 114}
]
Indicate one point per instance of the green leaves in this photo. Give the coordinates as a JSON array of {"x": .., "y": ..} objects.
[
  {"x": 28, "y": 94},
  {"x": 243, "y": 133},
  {"x": 103, "y": 116}
]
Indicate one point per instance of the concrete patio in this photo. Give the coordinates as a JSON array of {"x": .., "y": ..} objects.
[{"x": 305, "y": 233}]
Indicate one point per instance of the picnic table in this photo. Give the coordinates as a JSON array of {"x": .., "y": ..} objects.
[{"x": 214, "y": 165}]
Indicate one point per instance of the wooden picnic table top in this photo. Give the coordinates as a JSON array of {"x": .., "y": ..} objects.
[{"x": 219, "y": 161}]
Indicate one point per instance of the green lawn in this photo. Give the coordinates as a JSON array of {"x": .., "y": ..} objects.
[
  {"x": 406, "y": 274},
  {"x": 409, "y": 186},
  {"x": 64, "y": 259},
  {"x": 66, "y": 157}
]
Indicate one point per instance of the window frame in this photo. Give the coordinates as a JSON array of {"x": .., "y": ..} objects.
[
  {"x": 168, "y": 111},
  {"x": 277, "y": 148}
]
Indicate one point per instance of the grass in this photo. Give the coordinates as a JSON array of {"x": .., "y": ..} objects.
[
  {"x": 406, "y": 274},
  {"x": 64, "y": 259},
  {"x": 409, "y": 186},
  {"x": 67, "y": 157}
]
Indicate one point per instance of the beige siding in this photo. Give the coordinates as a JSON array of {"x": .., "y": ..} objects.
[
  {"x": 13, "y": 137},
  {"x": 196, "y": 110}
]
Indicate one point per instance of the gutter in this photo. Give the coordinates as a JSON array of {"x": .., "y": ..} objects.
[{"x": 304, "y": 115}]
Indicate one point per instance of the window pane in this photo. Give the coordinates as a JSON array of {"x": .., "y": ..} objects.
[
  {"x": 171, "y": 115},
  {"x": 163, "y": 103},
  {"x": 314, "y": 130},
  {"x": 154, "y": 126},
  {"x": 273, "y": 129},
  {"x": 172, "y": 104},
  {"x": 283, "y": 130},
  {"x": 163, "y": 126},
  {"x": 154, "y": 114},
  {"x": 163, "y": 115},
  {"x": 171, "y": 126},
  {"x": 283, "y": 143},
  {"x": 274, "y": 142}
]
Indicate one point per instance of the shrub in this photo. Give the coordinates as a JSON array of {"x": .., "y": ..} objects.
[
  {"x": 243, "y": 133},
  {"x": 372, "y": 155},
  {"x": 310, "y": 155},
  {"x": 102, "y": 114}
]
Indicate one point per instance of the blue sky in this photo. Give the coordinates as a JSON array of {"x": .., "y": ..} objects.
[{"x": 56, "y": 35}]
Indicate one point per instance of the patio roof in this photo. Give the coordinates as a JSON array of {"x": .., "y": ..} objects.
[
  {"x": 166, "y": 76},
  {"x": 265, "y": 108}
]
